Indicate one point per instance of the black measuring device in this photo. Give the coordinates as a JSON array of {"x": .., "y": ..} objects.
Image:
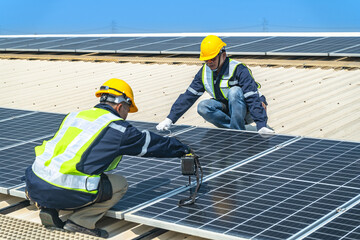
[{"x": 190, "y": 166}]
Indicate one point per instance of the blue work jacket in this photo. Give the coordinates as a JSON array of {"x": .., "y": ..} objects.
[{"x": 109, "y": 144}]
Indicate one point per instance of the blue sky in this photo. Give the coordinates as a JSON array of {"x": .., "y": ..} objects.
[{"x": 151, "y": 16}]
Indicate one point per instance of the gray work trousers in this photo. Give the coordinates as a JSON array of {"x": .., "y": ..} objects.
[{"x": 90, "y": 215}]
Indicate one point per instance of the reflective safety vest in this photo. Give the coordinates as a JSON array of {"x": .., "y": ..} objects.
[
  {"x": 225, "y": 82},
  {"x": 56, "y": 159}
]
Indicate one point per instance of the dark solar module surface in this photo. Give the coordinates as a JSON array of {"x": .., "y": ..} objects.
[
  {"x": 32, "y": 126},
  {"x": 250, "y": 206},
  {"x": 219, "y": 148},
  {"x": 270, "y": 44},
  {"x": 160, "y": 176},
  {"x": 325, "y": 45},
  {"x": 8, "y": 113},
  {"x": 346, "y": 226},
  {"x": 13, "y": 163}
]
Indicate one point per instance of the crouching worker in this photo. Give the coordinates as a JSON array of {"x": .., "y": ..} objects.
[{"x": 68, "y": 171}]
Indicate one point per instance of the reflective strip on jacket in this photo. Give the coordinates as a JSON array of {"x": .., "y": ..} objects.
[
  {"x": 56, "y": 159},
  {"x": 226, "y": 81}
]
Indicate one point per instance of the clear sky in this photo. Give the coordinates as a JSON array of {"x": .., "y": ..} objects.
[{"x": 177, "y": 16}]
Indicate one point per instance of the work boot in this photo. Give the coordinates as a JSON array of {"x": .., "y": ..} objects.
[
  {"x": 50, "y": 218},
  {"x": 73, "y": 227}
]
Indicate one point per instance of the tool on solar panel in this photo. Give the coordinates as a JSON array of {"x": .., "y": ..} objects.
[{"x": 190, "y": 166}]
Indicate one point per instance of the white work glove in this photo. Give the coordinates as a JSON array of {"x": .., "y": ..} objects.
[
  {"x": 265, "y": 130},
  {"x": 164, "y": 125}
]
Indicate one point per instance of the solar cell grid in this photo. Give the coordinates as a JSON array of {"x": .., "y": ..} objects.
[
  {"x": 346, "y": 226},
  {"x": 13, "y": 163},
  {"x": 313, "y": 160},
  {"x": 219, "y": 148},
  {"x": 30, "y": 43},
  {"x": 326, "y": 45},
  {"x": 10, "y": 41},
  {"x": 30, "y": 127},
  {"x": 249, "y": 206},
  {"x": 269, "y": 44},
  {"x": 6, "y": 113}
]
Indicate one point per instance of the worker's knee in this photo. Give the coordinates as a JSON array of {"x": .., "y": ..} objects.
[
  {"x": 236, "y": 94},
  {"x": 203, "y": 107}
]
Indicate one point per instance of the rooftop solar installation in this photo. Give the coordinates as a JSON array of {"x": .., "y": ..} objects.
[
  {"x": 273, "y": 197},
  {"x": 237, "y": 45},
  {"x": 150, "y": 178},
  {"x": 255, "y": 186}
]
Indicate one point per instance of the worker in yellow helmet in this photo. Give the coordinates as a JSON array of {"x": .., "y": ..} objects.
[
  {"x": 235, "y": 100},
  {"x": 68, "y": 171}
]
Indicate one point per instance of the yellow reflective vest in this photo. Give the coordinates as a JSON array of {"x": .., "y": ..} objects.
[{"x": 56, "y": 159}]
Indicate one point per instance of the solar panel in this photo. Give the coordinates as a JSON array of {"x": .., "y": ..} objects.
[
  {"x": 30, "y": 45},
  {"x": 346, "y": 226},
  {"x": 268, "y": 45},
  {"x": 108, "y": 47},
  {"x": 350, "y": 51},
  {"x": 31, "y": 127},
  {"x": 146, "y": 44},
  {"x": 13, "y": 163},
  {"x": 6, "y": 113},
  {"x": 273, "y": 197},
  {"x": 11, "y": 41},
  {"x": 151, "y": 178},
  {"x": 109, "y": 44},
  {"x": 323, "y": 46},
  {"x": 244, "y": 45}
]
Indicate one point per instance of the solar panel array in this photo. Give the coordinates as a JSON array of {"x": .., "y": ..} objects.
[
  {"x": 255, "y": 187},
  {"x": 275, "y": 45}
]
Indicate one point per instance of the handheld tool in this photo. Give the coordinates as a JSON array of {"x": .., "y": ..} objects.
[{"x": 190, "y": 166}]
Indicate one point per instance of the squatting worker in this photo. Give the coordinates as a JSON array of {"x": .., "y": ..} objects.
[
  {"x": 68, "y": 172},
  {"x": 235, "y": 100}
]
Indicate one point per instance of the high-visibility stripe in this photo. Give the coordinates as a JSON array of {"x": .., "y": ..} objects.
[
  {"x": 208, "y": 80},
  {"x": 56, "y": 163},
  {"x": 146, "y": 144},
  {"x": 193, "y": 91},
  {"x": 248, "y": 94},
  {"x": 117, "y": 127}
]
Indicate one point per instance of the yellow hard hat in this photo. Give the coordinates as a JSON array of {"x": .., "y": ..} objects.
[
  {"x": 118, "y": 87},
  {"x": 210, "y": 47}
]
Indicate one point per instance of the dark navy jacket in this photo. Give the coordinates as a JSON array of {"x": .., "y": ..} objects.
[
  {"x": 246, "y": 82},
  {"x": 107, "y": 146}
]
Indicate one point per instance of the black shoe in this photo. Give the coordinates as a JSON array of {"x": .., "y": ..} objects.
[
  {"x": 73, "y": 227},
  {"x": 50, "y": 218}
]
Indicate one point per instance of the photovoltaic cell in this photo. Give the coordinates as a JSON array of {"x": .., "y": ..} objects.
[
  {"x": 160, "y": 176},
  {"x": 314, "y": 160},
  {"x": 326, "y": 45},
  {"x": 29, "y": 44},
  {"x": 219, "y": 148},
  {"x": 269, "y": 44},
  {"x": 6, "y": 113},
  {"x": 235, "y": 205},
  {"x": 273, "y": 197},
  {"x": 13, "y": 164},
  {"x": 31, "y": 127},
  {"x": 346, "y": 227}
]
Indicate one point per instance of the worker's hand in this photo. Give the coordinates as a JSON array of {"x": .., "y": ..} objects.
[
  {"x": 265, "y": 130},
  {"x": 164, "y": 125}
]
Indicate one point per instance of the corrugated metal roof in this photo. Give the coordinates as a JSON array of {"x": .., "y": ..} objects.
[{"x": 322, "y": 103}]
